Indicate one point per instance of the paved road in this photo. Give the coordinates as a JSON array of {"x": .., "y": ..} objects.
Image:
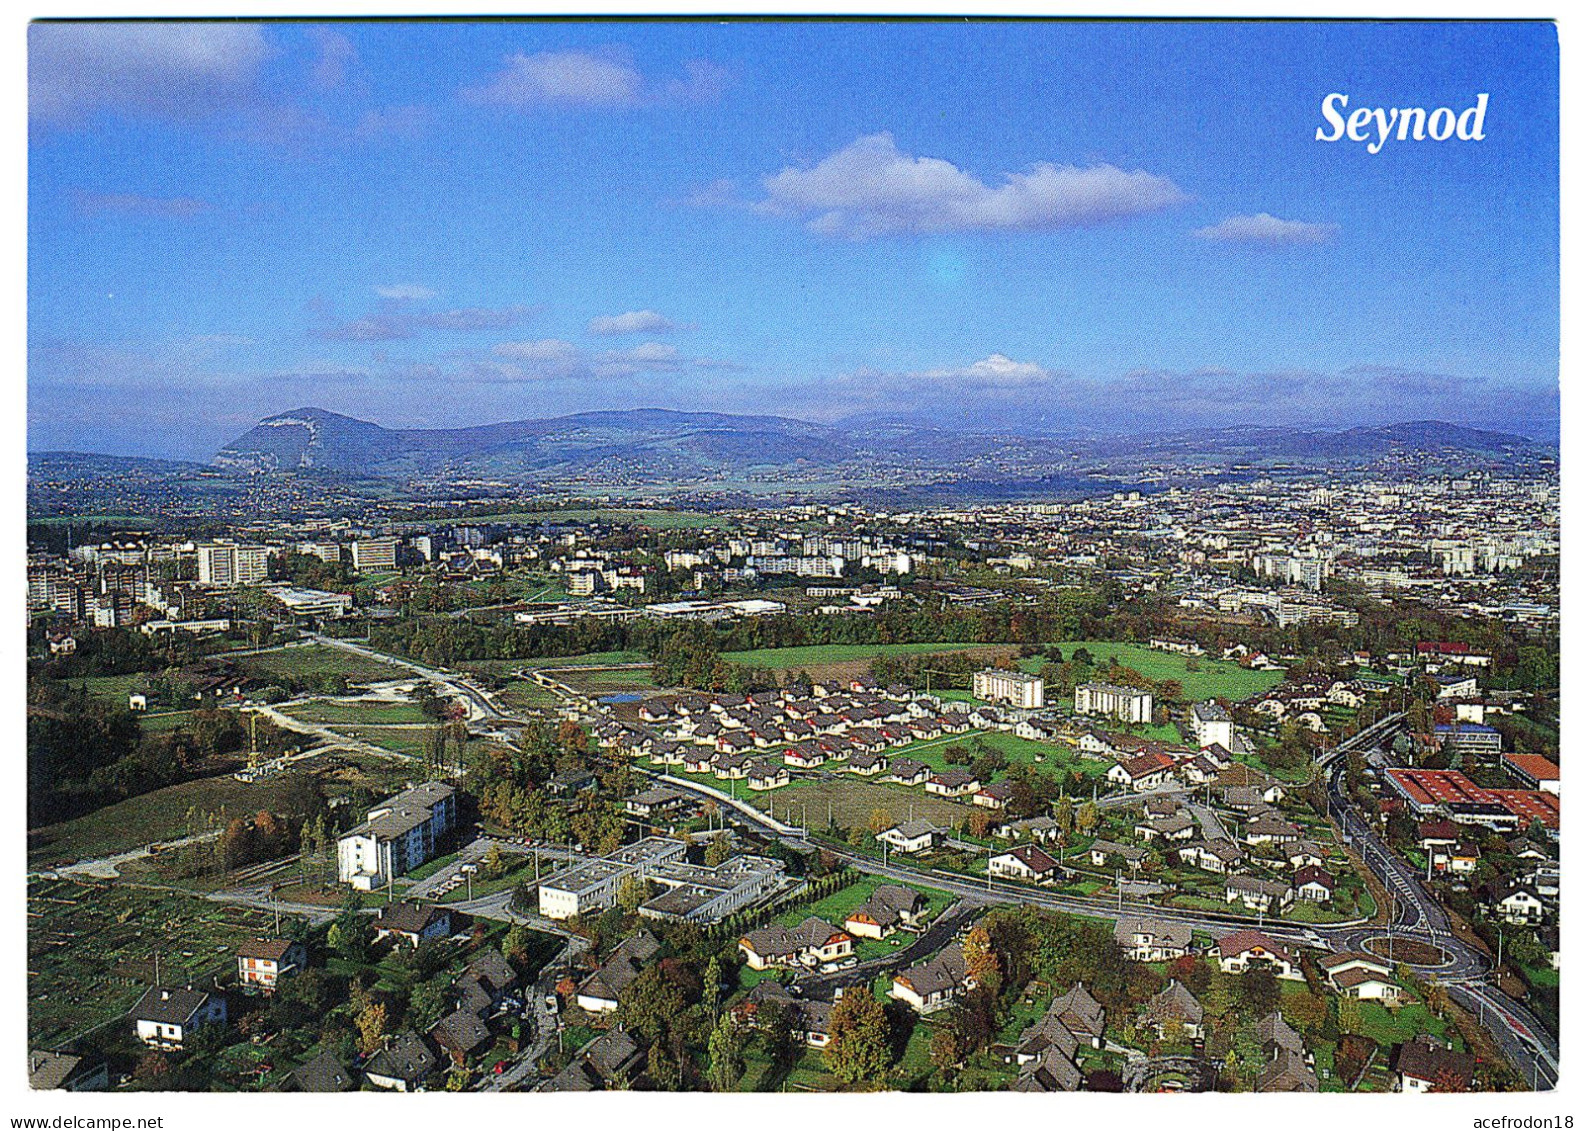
[
  {"x": 545, "y": 1023},
  {"x": 479, "y": 704},
  {"x": 109, "y": 867},
  {"x": 1209, "y": 821}
]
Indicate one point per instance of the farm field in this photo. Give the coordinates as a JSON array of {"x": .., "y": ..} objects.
[
  {"x": 607, "y": 681},
  {"x": 318, "y": 659},
  {"x": 507, "y": 668},
  {"x": 525, "y": 695},
  {"x": 163, "y": 722},
  {"x": 111, "y": 690},
  {"x": 851, "y": 800},
  {"x": 91, "y": 950},
  {"x": 1214, "y": 679}
]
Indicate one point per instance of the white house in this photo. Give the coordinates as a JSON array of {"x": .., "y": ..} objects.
[
  {"x": 1025, "y": 862},
  {"x": 165, "y": 1016},
  {"x": 912, "y": 836}
]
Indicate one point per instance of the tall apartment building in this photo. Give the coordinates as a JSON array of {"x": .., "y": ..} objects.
[
  {"x": 1017, "y": 688},
  {"x": 372, "y": 555},
  {"x": 1211, "y": 725},
  {"x": 325, "y": 551},
  {"x": 1127, "y": 704},
  {"x": 400, "y": 834},
  {"x": 227, "y": 565}
]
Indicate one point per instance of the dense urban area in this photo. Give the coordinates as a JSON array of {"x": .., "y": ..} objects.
[{"x": 1240, "y": 784}]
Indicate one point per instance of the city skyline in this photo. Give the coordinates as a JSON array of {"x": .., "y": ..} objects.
[{"x": 1123, "y": 227}]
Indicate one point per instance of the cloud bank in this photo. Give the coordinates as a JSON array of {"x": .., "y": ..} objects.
[{"x": 871, "y": 188}]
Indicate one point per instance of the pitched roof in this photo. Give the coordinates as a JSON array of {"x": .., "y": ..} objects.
[
  {"x": 50, "y": 1070},
  {"x": 408, "y": 918},
  {"x": 1311, "y": 874},
  {"x": 1287, "y": 1072},
  {"x": 1274, "y": 1029},
  {"x": 169, "y": 1005},
  {"x": 886, "y": 904},
  {"x": 944, "y": 971},
  {"x": 1425, "y": 1058},
  {"x": 1164, "y": 932},
  {"x": 1079, "y": 1011},
  {"x": 406, "y": 1056},
  {"x": 324, "y": 1073},
  {"x": 774, "y": 940},
  {"x": 1241, "y": 942},
  {"x": 270, "y": 950},
  {"x": 461, "y": 1031},
  {"x": 1174, "y": 1003},
  {"x": 1031, "y": 857}
]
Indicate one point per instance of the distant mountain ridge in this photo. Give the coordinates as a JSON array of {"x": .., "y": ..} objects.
[{"x": 655, "y": 445}]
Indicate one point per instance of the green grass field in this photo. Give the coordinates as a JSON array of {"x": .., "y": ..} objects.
[
  {"x": 818, "y": 655},
  {"x": 411, "y": 741},
  {"x": 364, "y": 714},
  {"x": 110, "y": 689},
  {"x": 583, "y": 659},
  {"x": 160, "y": 815},
  {"x": 316, "y": 659},
  {"x": 851, "y": 800},
  {"x": 1214, "y": 679},
  {"x": 1052, "y": 757},
  {"x": 163, "y": 722},
  {"x": 524, "y": 695},
  {"x": 603, "y": 681}
]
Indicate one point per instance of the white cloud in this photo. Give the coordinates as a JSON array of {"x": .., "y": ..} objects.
[
  {"x": 1263, "y": 228},
  {"x": 406, "y": 292},
  {"x": 719, "y": 193},
  {"x": 563, "y": 78},
  {"x": 546, "y": 349},
  {"x": 632, "y": 322},
  {"x": 995, "y": 370},
  {"x": 593, "y": 80},
  {"x": 175, "y": 70},
  {"x": 553, "y": 359},
  {"x": 871, "y": 188}
]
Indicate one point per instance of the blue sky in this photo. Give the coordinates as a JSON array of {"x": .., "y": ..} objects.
[{"x": 1027, "y": 226}]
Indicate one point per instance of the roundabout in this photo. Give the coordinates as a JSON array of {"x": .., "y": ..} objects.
[{"x": 1413, "y": 953}]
